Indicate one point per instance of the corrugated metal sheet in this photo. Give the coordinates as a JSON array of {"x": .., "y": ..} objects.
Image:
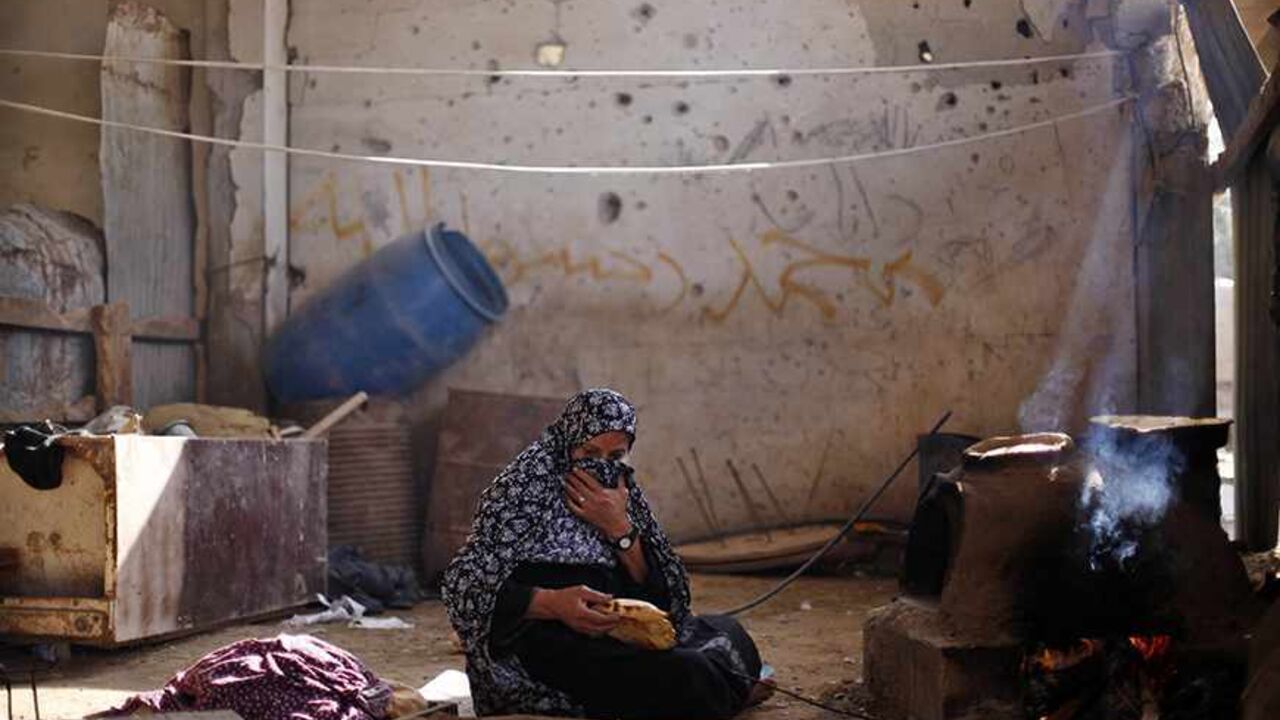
[
  {"x": 373, "y": 503},
  {"x": 57, "y": 258}
]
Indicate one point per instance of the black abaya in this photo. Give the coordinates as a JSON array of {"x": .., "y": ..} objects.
[{"x": 706, "y": 677}]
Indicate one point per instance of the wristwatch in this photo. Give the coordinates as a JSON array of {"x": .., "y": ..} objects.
[{"x": 625, "y": 542}]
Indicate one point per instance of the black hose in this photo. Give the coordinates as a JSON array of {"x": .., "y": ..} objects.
[{"x": 866, "y": 505}]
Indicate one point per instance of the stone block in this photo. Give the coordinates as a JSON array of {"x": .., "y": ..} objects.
[{"x": 917, "y": 672}]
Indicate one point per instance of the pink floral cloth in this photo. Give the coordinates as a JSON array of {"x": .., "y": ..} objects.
[{"x": 289, "y": 677}]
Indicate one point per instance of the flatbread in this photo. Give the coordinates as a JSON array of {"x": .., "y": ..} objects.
[{"x": 643, "y": 624}]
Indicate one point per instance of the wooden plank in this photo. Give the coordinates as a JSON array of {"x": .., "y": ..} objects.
[
  {"x": 1232, "y": 70},
  {"x": 36, "y": 315},
  {"x": 183, "y": 329},
  {"x": 1257, "y": 391},
  {"x": 112, "y": 344},
  {"x": 148, "y": 209},
  {"x": 1264, "y": 114}
]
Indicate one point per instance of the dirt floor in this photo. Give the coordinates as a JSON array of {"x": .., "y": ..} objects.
[{"x": 811, "y": 634}]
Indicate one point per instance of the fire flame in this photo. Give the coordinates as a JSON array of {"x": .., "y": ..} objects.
[
  {"x": 1054, "y": 660},
  {"x": 1048, "y": 659},
  {"x": 1151, "y": 647}
]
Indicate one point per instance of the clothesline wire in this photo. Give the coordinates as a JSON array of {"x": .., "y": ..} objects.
[
  {"x": 567, "y": 169},
  {"x": 546, "y": 73}
]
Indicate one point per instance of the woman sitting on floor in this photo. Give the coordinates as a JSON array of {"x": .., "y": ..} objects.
[{"x": 561, "y": 531}]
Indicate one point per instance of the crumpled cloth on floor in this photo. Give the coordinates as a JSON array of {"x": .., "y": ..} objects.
[
  {"x": 346, "y": 610},
  {"x": 373, "y": 585},
  {"x": 289, "y": 677}
]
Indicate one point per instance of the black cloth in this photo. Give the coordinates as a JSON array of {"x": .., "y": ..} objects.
[
  {"x": 34, "y": 454},
  {"x": 373, "y": 585},
  {"x": 707, "y": 676}
]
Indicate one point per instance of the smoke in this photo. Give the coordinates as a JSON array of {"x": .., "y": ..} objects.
[
  {"x": 1093, "y": 366},
  {"x": 1126, "y": 492}
]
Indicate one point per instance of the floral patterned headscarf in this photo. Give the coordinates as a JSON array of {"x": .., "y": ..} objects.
[{"x": 522, "y": 518}]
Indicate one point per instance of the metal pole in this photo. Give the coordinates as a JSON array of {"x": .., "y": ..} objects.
[{"x": 275, "y": 165}]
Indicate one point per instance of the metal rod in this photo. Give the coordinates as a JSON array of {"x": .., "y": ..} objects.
[
  {"x": 773, "y": 499},
  {"x": 702, "y": 508},
  {"x": 702, "y": 480},
  {"x": 844, "y": 530},
  {"x": 817, "y": 476},
  {"x": 746, "y": 498}
]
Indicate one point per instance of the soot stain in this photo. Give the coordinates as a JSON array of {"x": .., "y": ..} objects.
[{"x": 610, "y": 208}]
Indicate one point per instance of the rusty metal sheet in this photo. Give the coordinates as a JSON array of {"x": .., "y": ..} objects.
[
  {"x": 455, "y": 488},
  {"x": 58, "y": 536},
  {"x": 255, "y": 529},
  {"x": 491, "y": 428},
  {"x": 194, "y": 532},
  {"x": 470, "y": 453},
  {"x": 76, "y": 619}
]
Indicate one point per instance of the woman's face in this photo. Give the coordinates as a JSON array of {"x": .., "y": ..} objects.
[{"x": 606, "y": 446}]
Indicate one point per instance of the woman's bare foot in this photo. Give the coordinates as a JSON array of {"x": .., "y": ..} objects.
[{"x": 762, "y": 690}]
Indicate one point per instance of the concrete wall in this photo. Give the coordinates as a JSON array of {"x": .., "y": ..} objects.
[
  {"x": 800, "y": 320},
  {"x": 777, "y": 317},
  {"x": 53, "y": 162}
]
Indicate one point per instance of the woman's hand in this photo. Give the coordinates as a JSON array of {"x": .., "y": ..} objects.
[
  {"x": 605, "y": 508},
  {"x": 576, "y": 607}
]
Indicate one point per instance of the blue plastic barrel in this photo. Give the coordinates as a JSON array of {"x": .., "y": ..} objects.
[{"x": 407, "y": 312}]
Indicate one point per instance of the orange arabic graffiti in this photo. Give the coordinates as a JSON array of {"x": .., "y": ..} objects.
[
  {"x": 684, "y": 281},
  {"x": 885, "y": 290},
  {"x": 324, "y": 194},
  {"x": 516, "y": 268},
  {"x": 318, "y": 210}
]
